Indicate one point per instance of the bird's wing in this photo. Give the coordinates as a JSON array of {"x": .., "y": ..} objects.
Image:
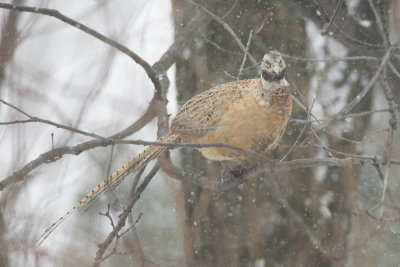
[{"x": 202, "y": 113}]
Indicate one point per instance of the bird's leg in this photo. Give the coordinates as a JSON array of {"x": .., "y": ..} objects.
[
  {"x": 235, "y": 168},
  {"x": 229, "y": 166},
  {"x": 238, "y": 173},
  {"x": 241, "y": 167}
]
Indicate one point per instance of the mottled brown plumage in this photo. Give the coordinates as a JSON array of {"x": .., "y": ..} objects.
[{"x": 250, "y": 114}]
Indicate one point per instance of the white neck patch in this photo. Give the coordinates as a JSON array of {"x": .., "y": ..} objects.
[{"x": 271, "y": 86}]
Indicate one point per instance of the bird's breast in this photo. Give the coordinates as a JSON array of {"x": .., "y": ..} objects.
[{"x": 254, "y": 123}]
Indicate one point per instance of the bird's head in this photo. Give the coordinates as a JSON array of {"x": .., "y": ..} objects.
[{"x": 272, "y": 67}]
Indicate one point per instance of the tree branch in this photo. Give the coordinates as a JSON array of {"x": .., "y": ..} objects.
[
  {"x": 123, "y": 49},
  {"x": 326, "y": 27},
  {"x": 122, "y": 217},
  {"x": 370, "y": 84},
  {"x": 37, "y": 119},
  {"x": 56, "y": 154},
  {"x": 226, "y": 27}
]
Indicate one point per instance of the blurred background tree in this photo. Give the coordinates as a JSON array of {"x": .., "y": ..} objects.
[{"x": 305, "y": 216}]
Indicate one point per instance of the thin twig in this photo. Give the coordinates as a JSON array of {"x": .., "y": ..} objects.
[
  {"x": 52, "y": 140},
  {"x": 389, "y": 142},
  {"x": 390, "y": 98},
  {"x": 57, "y": 153},
  {"x": 342, "y": 33},
  {"x": 382, "y": 178},
  {"x": 301, "y": 133},
  {"x": 221, "y": 48},
  {"x": 245, "y": 55},
  {"x": 122, "y": 217},
  {"x": 329, "y": 59},
  {"x": 370, "y": 84},
  {"x": 343, "y": 138},
  {"x": 107, "y": 214},
  {"x": 108, "y": 187},
  {"x": 58, "y": 125},
  {"x": 123, "y": 49},
  {"x": 394, "y": 69},
  {"x": 138, "y": 246},
  {"x": 230, "y": 10},
  {"x": 295, "y": 214},
  {"x": 348, "y": 116},
  {"x": 226, "y": 27},
  {"x": 264, "y": 20},
  {"x": 166, "y": 60},
  {"x": 229, "y": 75},
  {"x": 110, "y": 161},
  {"x": 388, "y": 156},
  {"x": 378, "y": 20},
  {"x": 395, "y": 17},
  {"x": 362, "y": 114},
  {"x": 16, "y": 122},
  {"x": 326, "y": 27},
  {"x": 323, "y": 146},
  {"x": 321, "y": 10},
  {"x": 295, "y": 143}
]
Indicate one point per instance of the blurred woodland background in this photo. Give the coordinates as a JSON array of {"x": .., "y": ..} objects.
[{"x": 75, "y": 83}]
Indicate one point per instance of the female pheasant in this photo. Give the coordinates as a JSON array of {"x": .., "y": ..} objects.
[{"x": 250, "y": 114}]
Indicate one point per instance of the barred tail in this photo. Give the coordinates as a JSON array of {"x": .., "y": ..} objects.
[{"x": 117, "y": 177}]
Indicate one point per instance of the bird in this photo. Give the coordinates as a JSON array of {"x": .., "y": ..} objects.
[{"x": 251, "y": 114}]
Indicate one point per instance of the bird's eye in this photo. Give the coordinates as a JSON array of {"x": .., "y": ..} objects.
[{"x": 268, "y": 64}]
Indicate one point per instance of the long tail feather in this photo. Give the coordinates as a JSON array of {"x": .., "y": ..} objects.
[{"x": 116, "y": 178}]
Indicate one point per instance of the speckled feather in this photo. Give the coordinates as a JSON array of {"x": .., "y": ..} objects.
[
  {"x": 239, "y": 113},
  {"x": 201, "y": 114},
  {"x": 113, "y": 180}
]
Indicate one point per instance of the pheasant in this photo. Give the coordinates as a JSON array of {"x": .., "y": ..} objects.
[{"x": 250, "y": 114}]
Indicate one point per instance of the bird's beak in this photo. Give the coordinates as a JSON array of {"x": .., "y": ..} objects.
[{"x": 276, "y": 70}]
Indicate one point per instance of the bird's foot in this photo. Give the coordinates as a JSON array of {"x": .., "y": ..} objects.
[{"x": 237, "y": 173}]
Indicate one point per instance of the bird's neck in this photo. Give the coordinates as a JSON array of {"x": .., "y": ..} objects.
[{"x": 273, "y": 85}]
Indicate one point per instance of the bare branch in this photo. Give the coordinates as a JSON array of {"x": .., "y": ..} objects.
[
  {"x": 394, "y": 69},
  {"x": 123, "y": 49},
  {"x": 344, "y": 34},
  {"x": 326, "y": 27},
  {"x": 396, "y": 17},
  {"x": 389, "y": 142},
  {"x": 138, "y": 247},
  {"x": 301, "y": 133},
  {"x": 370, "y": 84},
  {"x": 157, "y": 103},
  {"x": 230, "y": 10},
  {"x": 382, "y": 178},
  {"x": 122, "y": 217},
  {"x": 57, "y": 153},
  {"x": 16, "y": 122},
  {"x": 37, "y": 119},
  {"x": 329, "y": 59},
  {"x": 388, "y": 155},
  {"x": 385, "y": 38},
  {"x": 390, "y": 99},
  {"x": 321, "y": 10},
  {"x": 245, "y": 55},
  {"x": 221, "y": 48},
  {"x": 9, "y": 41},
  {"x": 226, "y": 27},
  {"x": 264, "y": 21},
  {"x": 362, "y": 114}
]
